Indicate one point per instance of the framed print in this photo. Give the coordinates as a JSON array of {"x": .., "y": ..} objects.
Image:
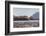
[{"x": 24, "y": 17}]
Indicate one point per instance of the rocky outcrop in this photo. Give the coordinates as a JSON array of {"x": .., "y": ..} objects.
[{"x": 20, "y": 18}]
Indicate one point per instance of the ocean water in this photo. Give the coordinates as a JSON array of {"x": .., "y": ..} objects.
[{"x": 29, "y": 23}]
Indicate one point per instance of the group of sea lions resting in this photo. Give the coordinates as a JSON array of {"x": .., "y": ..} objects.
[{"x": 21, "y": 18}]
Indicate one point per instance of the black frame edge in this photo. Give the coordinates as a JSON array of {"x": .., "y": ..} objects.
[{"x": 6, "y": 18}]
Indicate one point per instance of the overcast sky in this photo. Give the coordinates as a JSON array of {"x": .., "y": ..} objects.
[{"x": 24, "y": 11}]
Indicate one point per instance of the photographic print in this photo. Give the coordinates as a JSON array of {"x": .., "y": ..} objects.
[{"x": 24, "y": 17}]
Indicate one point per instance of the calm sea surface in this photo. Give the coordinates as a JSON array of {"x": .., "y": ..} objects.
[{"x": 28, "y": 21}]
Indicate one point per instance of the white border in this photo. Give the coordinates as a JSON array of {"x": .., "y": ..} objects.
[{"x": 24, "y": 29}]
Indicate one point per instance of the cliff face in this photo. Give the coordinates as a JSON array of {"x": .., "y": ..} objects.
[{"x": 35, "y": 16}]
